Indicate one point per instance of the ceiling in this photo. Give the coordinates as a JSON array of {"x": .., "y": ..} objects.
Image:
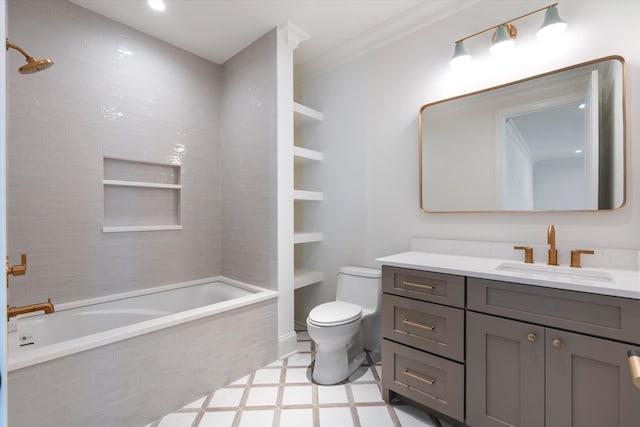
[{"x": 218, "y": 29}]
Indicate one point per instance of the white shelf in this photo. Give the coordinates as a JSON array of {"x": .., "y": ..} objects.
[
  {"x": 305, "y": 155},
  {"x": 307, "y": 237},
  {"x": 304, "y": 278},
  {"x": 307, "y": 195},
  {"x": 140, "y": 184},
  {"x": 140, "y": 228},
  {"x": 303, "y": 114}
]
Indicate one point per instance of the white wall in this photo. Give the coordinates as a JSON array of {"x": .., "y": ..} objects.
[
  {"x": 369, "y": 136},
  {"x": 559, "y": 184}
]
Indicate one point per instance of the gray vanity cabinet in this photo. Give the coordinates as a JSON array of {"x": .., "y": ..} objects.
[
  {"x": 491, "y": 353},
  {"x": 528, "y": 374},
  {"x": 588, "y": 382},
  {"x": 423, "y": 338},
  {"x": 505, "y": 372}
]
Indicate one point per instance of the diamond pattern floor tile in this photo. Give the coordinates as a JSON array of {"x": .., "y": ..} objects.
[{"x": 282, "y": 395}]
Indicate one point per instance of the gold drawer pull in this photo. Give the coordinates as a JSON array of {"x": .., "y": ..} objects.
[
  {"x": 418, "y": 285},
  {"x": 418, "y": 325},
  {"x": 430, "y": 381}
]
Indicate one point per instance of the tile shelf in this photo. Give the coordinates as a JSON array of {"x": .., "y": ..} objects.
[
  {"x": 140, "y": 228},
  {"x": 140, "y": 184},
  {"x": 140, "y": 196}
]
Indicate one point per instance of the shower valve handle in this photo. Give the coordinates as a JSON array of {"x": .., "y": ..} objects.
[{"x": 17, "y": 270}]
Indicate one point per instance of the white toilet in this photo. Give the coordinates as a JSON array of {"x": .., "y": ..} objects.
[{"x": 336, "y": 327}]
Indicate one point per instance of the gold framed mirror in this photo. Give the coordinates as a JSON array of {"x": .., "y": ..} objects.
[{"x": 551, "y": 142}]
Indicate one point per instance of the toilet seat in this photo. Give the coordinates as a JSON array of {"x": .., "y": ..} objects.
[{"x": 334, "y": 313}]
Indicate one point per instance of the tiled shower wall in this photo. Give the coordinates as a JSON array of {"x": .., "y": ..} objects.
[
  {"x": 113, "y": 91},
  {"x": 248, "y": 147}
]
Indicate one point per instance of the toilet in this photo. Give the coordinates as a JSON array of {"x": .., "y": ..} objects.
[{"x": 340, "y": 328}]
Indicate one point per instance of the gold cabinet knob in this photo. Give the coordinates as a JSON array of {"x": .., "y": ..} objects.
[
  {"x": 557, "y": 343},
  {"x": 532, "y": 337}
]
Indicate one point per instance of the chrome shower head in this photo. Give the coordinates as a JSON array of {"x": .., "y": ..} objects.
[{"x": 33, "y": 65}]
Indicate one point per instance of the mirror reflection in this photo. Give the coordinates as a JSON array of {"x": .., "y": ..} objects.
[{"x": 549, "y": 143}]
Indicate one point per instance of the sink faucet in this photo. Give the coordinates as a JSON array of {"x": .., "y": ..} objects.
[
  {"x": 551, "y": 240},
  {"x": 47, "y": 307}
]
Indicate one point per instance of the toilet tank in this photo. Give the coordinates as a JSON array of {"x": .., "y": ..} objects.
[{"x": 359, "y": 285}]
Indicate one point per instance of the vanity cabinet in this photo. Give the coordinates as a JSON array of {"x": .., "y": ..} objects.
[
  {"x": 423, "y": 338},
  {"x": 527, "y": 374},
  {"x": 494, "y": 353}
]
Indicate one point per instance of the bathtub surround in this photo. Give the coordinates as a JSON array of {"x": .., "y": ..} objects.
[
  {"x": 131, "y": 382},
  {"x": 248, "y": 145},
  {"x": 370, "y": 136},
  {"x": 113, "y": 92}
]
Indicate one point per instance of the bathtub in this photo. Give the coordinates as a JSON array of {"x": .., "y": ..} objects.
[{"x": 97, "y": 362}]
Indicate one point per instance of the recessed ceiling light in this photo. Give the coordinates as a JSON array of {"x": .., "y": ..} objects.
[
  {"x": 156, "y": 5},
  {"x": 578, "y": 151},
  {"x": 581, "y": 106}
]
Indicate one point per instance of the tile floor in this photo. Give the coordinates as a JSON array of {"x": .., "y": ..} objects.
[{"x": 282, "y": 395}]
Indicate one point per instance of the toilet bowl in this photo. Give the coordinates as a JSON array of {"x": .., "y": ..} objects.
[{"x": 336, "y": 327}]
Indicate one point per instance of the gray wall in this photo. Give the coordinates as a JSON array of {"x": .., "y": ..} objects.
[
  {"x": 98, "y": 100},
  {"x": 370, "y": 139},
  {"x": 248, "y": 148}
]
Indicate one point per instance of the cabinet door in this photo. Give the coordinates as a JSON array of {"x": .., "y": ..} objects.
[
  {"x": 505, "y": 372},
  {"x": 588, "y": 382}
]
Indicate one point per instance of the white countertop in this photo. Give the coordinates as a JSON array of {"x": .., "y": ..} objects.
[{"x": 624, "y": 283}]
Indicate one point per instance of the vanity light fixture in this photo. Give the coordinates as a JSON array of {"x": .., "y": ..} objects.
[{"x": 504, "y": 35}]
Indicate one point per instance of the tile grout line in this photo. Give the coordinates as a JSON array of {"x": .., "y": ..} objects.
[
  {"x": 243, "y": 400},
  {"x": 278, "y": 410}
]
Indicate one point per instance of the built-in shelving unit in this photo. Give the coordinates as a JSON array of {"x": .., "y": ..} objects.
[
  {"x": 305, "y": 275},
  {"x": 307, "y": 237},
  {"x": 302, "y": 195},
  {"x": 304, "y": 278},
  {"x": 301, "y": 155},
  {"x": 140, "y": 196}
]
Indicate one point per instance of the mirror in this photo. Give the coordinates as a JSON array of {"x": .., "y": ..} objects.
[{"x": 553, "y": 142}]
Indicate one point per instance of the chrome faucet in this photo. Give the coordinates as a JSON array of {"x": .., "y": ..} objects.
[
  {"x": 47, "y": 307},
  {"x": 551, "y": 240}
]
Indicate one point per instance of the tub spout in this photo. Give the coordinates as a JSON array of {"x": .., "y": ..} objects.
[{"x": 47, "y": 307}]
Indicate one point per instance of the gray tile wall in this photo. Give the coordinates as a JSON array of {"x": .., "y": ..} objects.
[
  {"x": 133, "y": 382},
  {"x": 113, "y": 91},
  {"x": 248, "y": 147}
]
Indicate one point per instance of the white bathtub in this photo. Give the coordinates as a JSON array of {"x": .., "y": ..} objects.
[
  {"x": 83, "y": 325},
  {"x": 128, "y": 359}
]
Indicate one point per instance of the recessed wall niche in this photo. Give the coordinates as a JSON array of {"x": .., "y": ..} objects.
[{"x": 140, "y": 196}]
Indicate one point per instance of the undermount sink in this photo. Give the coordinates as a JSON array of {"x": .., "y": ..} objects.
[{"x": 555, "y": 272}]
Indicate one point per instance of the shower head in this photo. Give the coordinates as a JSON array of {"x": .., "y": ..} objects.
[{"x": 33, "y": 65}]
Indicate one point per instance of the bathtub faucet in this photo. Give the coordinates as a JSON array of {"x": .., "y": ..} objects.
[{"x": 47, "y": 307}]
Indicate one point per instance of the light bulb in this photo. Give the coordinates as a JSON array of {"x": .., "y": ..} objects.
[{"x": 156, "y": 5}]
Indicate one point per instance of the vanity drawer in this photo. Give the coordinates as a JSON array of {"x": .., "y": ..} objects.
[
  {"x": 435, "y": 328},
  {"x": 441, "y": 288},
  {"x": 600, "y": 315},
  {"x": 430, "y": 380}
]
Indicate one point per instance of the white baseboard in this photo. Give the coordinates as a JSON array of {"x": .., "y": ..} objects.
[
  {"x": 287, "y": 344},
  {"x": 300, "y": 326}
]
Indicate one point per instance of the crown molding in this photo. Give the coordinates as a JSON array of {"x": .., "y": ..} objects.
[
  {"x": 293, "y": 34},
  {"x": 414, "y": 19}
]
